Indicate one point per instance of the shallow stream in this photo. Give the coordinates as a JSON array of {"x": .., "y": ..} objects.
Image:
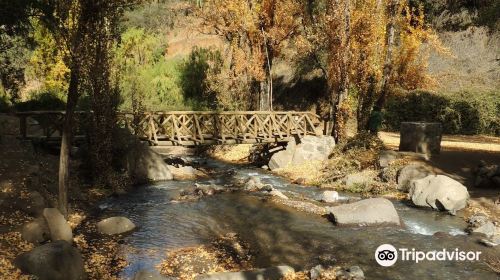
[{"x": 284, "y": 236}]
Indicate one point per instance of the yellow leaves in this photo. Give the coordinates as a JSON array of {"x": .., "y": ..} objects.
[
  {"x": 11, "y": 245},
  {"x": 248, "y": 25}
]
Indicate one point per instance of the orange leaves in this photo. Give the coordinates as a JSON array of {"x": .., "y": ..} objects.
[{"x": 247, "y": 26}]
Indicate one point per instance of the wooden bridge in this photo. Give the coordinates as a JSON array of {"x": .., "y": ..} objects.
[{"x": 184, "y": 128}]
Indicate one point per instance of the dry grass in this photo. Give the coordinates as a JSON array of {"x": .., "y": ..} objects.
[
  {"x": 308, "y": 173},
  {"x": 231, "y": 153}
]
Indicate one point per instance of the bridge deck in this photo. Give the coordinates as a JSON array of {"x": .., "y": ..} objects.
[{"x": 184, "y": 128}]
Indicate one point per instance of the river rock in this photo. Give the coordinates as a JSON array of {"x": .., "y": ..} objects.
[
  {"x": 488, "y": 243},
  {"x": 185, "y": 173},
  {"x": 207, "y": 190},
  {"x": 145, "y": 165},
  {"x": 311, "y": 148},
  {"x": 370, "y": 211},
  {"x": 487, "y": 176},
  {"x": 58, "y": 226},
  {"x": 411, "y": 172},
  {"x": 496, "y": 238},
  {"x": 115, "y": 225},
  {"x": 302, "y": 206},
  {"x": 36, "y": 231},
  {"x": 488, "y": 229},
  {"x": 315, "y": 272},
  {"x": 269, "y": 190},
  {"x": 36, "y": 204},
  {"x": 439, "y": 192},
  {"x": 253, "y": 183},
  {"x": 328, "y": 196},
  {"x": 385, "y": 158},
  {"x": 271, "y": 273},
  {"x": 57, "y": 260},
  {"x": 477, "y": 220},
  {"x": 355, "y": 272}
]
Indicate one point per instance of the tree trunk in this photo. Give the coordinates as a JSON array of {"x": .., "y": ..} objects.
[
  {"x": 340, "y": 112},
  {"x": 64, "y": 160},
  {"x": 365, "y": 105},
  {"x": 264, "y": 104},
  {"x": 389, "y": 35}
]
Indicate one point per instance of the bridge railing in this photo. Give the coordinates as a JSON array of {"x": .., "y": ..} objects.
[{"x": 187, "y": 127}]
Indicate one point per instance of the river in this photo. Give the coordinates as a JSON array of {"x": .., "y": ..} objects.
[{"x": 282, "y": 235}]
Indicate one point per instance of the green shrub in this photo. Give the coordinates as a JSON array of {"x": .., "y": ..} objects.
[
  {"x": 43, "y": 101},
  {"x": 460, "y": 113}
]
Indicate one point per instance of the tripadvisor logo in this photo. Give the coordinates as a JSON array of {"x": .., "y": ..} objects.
[{"x": 387, "y": 255}]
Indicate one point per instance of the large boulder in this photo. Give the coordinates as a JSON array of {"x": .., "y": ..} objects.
[
  {"x": 282, "y": 158},
  {"x": 145, "y": 165},
  {"x": 411, "y": 172},
  {"x": 53, "y": 261},
  {"x": 271, "y": 273},
  {"x": 370, "y": 211},
  {"x": 439, "y": 192},
  {"x": 115, "y": 225},
  {"x": 36, "y": 231},
  {"x": 310, "y": 148},
  {"x": 58, "y": 226}
]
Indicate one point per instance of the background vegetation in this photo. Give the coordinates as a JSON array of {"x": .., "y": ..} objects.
[
  {"x": 293, "y": 56},
  {"x": 460, "y": 112}
]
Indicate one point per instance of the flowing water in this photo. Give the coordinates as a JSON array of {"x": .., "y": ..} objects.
[{"x": 284, "y": 236}]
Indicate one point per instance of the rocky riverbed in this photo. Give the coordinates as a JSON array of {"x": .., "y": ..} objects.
[{"x": 276, "y": 233}]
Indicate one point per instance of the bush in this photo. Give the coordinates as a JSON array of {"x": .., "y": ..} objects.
[
  {"x": 43, "y": 101},
  {"x": 460, "y": 113}
]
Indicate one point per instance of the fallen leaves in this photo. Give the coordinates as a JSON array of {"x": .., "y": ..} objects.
[{"x": 227, "y": 253}]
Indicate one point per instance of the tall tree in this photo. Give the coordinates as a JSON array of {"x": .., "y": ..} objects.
[
  {"x": 81, "y": 28},
  {"x": 372, "y": 46},
  {"x": 339, "y": 67},
  {"x": 255, "y": 32},
  {"x": 390, "y": 34}
]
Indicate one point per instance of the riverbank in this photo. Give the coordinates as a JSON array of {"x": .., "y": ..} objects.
[
  {"x": 459, "y": 158},
  {"x": 28, "y": 184},
  {"x": 372, "y": 168}
]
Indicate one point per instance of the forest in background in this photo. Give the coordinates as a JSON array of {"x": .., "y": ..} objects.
[{"x": 214, "y": 74}]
